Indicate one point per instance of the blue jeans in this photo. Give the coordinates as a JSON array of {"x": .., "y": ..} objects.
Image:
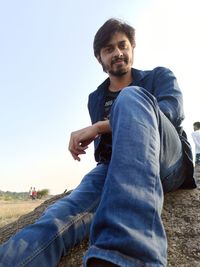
[{"x": 125, "y": 197}]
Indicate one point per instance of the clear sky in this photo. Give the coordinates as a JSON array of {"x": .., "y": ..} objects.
[{"x": 47, "y": 70}]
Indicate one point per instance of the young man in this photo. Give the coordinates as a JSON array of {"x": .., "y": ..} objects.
[
  {"x": 196, "y": 139},
  {"x": 141, "y": 151}
]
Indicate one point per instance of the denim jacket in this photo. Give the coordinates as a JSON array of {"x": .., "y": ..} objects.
[{"x": 162, "y": 84}]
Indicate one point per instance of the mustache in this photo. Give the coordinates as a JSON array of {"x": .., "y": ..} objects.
[{"x": 115, "y": 59}]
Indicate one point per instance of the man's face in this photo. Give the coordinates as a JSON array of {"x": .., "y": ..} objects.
[
  {"x": 116, "y": 57},
  {"x": 195, "y": 128}
]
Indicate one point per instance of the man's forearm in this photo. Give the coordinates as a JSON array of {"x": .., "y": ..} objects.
[{"x": 103, "y": 127}]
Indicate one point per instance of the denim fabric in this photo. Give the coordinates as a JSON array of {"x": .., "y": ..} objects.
[
  {"x": 127, "y": 196},
  {"x": 159, "y": 82},
  {"x": 127, "y": 229},
  {"x": 162, "y": 84}
]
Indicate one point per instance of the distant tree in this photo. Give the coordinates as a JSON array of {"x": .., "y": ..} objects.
[{"x": 42, "y": 193}]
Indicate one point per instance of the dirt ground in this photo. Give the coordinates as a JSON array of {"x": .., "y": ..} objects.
[{"x": 11, "y": 210}]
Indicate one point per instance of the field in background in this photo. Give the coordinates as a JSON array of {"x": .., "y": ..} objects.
[{"x": 11, "y": 210}]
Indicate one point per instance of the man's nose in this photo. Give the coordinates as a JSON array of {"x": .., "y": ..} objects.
[{"x": 118, "y": 52}]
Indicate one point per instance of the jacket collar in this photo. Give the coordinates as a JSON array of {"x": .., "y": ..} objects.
[{"x": 138, "y": 75}]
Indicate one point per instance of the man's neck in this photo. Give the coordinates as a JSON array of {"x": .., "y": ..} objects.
[{"x": 118, "y": 83}]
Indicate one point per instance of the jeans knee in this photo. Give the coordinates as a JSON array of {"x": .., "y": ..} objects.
[
  {"x": 135, "y": 103},
  {"x": 127, "y": 92},
  {"x": 136, "y": 95}
]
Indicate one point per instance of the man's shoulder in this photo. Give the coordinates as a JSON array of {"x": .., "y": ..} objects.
[
  {"x": 140, "y": 74},
  {"x": 100, "y": 89},
  {"x": 157, "y": 71},
  {"x": 162, "y": 70}
]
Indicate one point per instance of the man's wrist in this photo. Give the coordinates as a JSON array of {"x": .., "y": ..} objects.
[{"x": 103, "y": 127}]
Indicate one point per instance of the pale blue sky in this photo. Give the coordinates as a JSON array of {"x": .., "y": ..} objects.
[{"x": 47, "y": 70}]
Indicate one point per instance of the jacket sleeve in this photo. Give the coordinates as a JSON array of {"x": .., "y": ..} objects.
[
  {"x": 168, "y": 95},
  {"x": 89, "y": 106},
  {"x": 92, "y": 102}
]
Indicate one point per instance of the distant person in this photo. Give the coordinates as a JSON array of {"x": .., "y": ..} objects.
[
  {"x": 30, "y": 193},
  {"x": 141, "y": 151},
  {"x": 34, "y": 193},
  {"x": 196, "y": 139}
]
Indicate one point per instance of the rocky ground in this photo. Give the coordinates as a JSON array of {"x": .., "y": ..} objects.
[{"x": 181, "y": 218}]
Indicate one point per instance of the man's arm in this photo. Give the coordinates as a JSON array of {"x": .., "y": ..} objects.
[
  {"x": 80, "y": 139},
  {"x": 168, "y": 95}
]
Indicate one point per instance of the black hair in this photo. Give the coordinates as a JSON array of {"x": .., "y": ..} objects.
[
  {"x": 106, "y": 31},
  {"x": 197, "y": 124}
]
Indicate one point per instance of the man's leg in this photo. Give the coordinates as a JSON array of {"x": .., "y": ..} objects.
[
  {"x": 62, "y": 225},
  {"x": 127, "y": 229}
]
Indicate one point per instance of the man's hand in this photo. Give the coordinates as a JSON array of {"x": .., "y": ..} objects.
[{"x": 80, "y": 139}]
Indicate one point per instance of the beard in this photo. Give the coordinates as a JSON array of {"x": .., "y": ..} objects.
[{"x": 118, "y": 72}]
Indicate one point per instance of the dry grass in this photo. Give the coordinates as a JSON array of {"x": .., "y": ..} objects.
[{"x": 12, "y": 210}]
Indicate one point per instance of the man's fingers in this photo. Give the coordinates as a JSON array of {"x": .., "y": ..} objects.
[
  {"x": 76, "y": 158},
  {"x": 80, "y": 140},
  {"x": 76, "y": 151}
]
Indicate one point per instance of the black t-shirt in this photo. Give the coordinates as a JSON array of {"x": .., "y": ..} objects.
[{"x": 105, "y": 145}]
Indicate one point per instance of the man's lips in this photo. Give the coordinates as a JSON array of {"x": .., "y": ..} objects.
[{"x": 119, "y": 61}]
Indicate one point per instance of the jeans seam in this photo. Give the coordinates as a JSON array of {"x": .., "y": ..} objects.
[
  {"x": 117, "y": 257},
  {"x": 64, "y": 228}
]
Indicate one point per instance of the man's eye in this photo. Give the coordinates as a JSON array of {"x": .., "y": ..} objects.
[
  {"x": 123, "y": 46},
  {"x": 108, "y": 50}
]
